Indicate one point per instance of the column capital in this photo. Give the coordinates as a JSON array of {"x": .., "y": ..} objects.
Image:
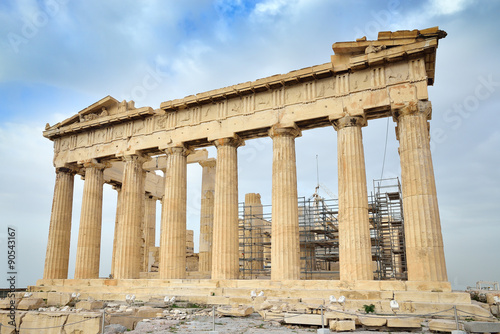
[
  {"x": 138, "y": 157},
  {"x": 234, "y": 141},
  {"x": 208, "y": 162},
  {"x": 179, "y": 150},
  {"x": 348, "y": 121},
  {"x": 412, "y": 108},
  {"x": 277, "y": 130},
  {"x": 94, "y": 163},
  {"x": 68, "y": 170}
]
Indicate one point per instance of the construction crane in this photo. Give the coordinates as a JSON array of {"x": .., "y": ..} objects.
[{"x": 321, "y": 185}]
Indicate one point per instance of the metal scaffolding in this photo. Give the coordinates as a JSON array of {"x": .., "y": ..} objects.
[
  {"x": 388, "y": 229},
  {"x": 319, "y": 238}
]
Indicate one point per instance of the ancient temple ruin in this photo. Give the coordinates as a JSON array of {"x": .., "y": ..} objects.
[{"x": 243, "y": 247}]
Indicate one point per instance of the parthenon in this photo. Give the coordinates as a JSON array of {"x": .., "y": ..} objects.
[{"x": 117, "y": 143}]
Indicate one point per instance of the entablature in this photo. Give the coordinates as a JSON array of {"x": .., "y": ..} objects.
[{"x": 358, "y": 84}]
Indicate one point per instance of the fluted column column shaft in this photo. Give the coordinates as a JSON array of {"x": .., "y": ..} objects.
[
  {"x": 150, "y": 227},
  {"x": 127, "y": 262},
  {"x": 254, "y": 220},
  {"x": 88, "y": 250},
  {"x": 57, "y": 256},
  {"x": 207, "y": 214},
  {"x": 173, "y": 238},
  {"x": 117, "y": 222},
  {"x": 354, "y": 227},
  {"x": 225, "y": 246},
  {"x": 285, "y": 242},
  {"x": 423, "y": 238}
]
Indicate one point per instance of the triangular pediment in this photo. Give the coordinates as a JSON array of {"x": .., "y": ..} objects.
[{"x": 105, "y": 111}]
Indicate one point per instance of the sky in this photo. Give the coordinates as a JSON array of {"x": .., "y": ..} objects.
[{"x": 58, "y": 56}]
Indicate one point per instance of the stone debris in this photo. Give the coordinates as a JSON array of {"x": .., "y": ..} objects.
[
  {"x": 240, "y": 311},
  {"x": 441, "y": 325},
  {"x": 404, "y": 322},
  {"x": 90, "y": 305},
  {"x": 343, "y": 325},
  {"x": 372, "y": 321},
  {"x": 304, "y": 319},
  {"x": 147, "y": 319},
  {"x": 482, "y": 327},
  {"x": 114, "y": 329},
  {"x": 30, "y": 304},
  {"x": 265, "y": 305}
]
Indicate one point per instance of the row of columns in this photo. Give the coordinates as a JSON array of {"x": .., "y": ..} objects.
[{"x": 425, "y": 256}]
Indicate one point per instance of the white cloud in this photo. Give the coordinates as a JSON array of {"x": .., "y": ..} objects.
[
  {"x": 272, "y": 7},
  {"x": 448, "y": 7}
]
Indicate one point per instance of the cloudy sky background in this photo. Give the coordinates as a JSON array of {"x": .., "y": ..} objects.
[{"x": 58, "y": 57}]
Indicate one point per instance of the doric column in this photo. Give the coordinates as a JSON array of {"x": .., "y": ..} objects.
[
  {"x": 424, "y": 242},
  {"x": 207, "y": 214},
  {"x": 173, "y": 237},
  {"x": 127, "y": 261},
  {"x": 225, "y": 247},
  {"x": 57, "y": 257},
  {"x": 285, "y": 242},
  {"x": 355, "y": 254},
  {"x": 254, "y": 221},
  {"x": 149, "y": 227},
  {"x": 88, "y": 250},
  {"x": 118, "y": 189}
]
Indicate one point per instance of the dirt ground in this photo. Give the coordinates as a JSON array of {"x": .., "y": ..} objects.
[{"x": 203, "y": 324}]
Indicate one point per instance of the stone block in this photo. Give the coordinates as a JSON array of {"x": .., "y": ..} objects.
[
  {"x": 147, "y": 312},
  {"x": 41, "y": 320},
  {"x": 218, "y": 300},
  {"x": 5, "y": 318},
  {"x": 345, "y": 325},
  {"x": 404, "y": 322},
  {"x": 265, "y": 305},
  {"x": 269, "y": 315},
  {"x": 241, "y": 311},
  {"x": 313, "y": 301},
  {"x": 482, "y": 327},
  {"x": 440, "y": 325},
  {"x": 90, "y": 305},
  {"x": 30, "y": 304},
  {"x": 83, "y": 323},
  {"x": 339, "y": 315},
  {"x": 428, "y": 286},
  {"x": 433, "y": 297},
  {"x": 58, "y": 298},
  {"x": 372, "y": 321},
  {"x": 304, "y": 319},
  {"x": 240, "y": 300},
  {"x": 125, "y": 319},
  {"x": 6, "y": 303},
  {"x": 198, "y": 299}
]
